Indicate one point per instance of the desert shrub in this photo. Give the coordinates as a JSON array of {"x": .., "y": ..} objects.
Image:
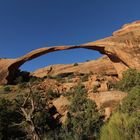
[
  {"x": 125, "y": 123},
  {"x": 19, "y": 80},
  {"x": 131, "y": 78},
  {"x": 59, "y": 78},
  {"x": 70, "y": 76},
  {"x": 79, "y": 90},
  {"x": 121, "y": 126},
  {"x": 84, "y": 120},
  {"x": 131, "y": 104},
  {"x": 35, "y": 79},
  {"x": 9, "y": 118},
  {"x": 95, "y": 88},
  {"x": 47, "y": 76},
  {"x": 103, "y": 73},
  {"x": 68, "y": 94},
  {"x": 85, "y": 78},
  {"x": 52, "y": 95},
  {"x": 7, "y": 88},
  {"x": 22, "y": 85},
  {"x": 27, "y": 111},
  {"x": 21, "y": 77},
  {"x": 36, "y": 105},
  {"x": 75, "y": 64},
  {"x": 110, "y": 85},
  {"x": 87, "y": 60}
]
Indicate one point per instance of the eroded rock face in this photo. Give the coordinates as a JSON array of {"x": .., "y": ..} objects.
[
  {"x": 122, "y": 48},
  {"x": 108, "y": 100},
  {"x": 102, "y": 65}
]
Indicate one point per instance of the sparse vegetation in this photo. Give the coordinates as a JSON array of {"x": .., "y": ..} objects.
[
  {"x": 9, "y": 120},
  {"x": 75, "y": 64},
  {"x": 21, "y": 77},
  {"x": 125, "y": 122},
  {"x": 22, "y": 85},
  {"x": 110, "y": 85},
  {"x": 26, "y": 117},
  {"x": 84, "y": 120},
  {"x": 87, "y": 60},
  {"x": 95, "y": 88},
  {"x": 34, "y": 79},
  {"x": 31, "y": 113},
  {"x": 52, "y": 95},
  {"x": 84, "y": 78},
  {"x": 7, "y": 88},
  {"x": 131, "y": 78}
]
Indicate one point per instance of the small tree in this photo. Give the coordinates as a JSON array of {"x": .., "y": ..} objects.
[
  {"x": 9, "y": 115},
  {"x": 84, "y": 120},
  {"x": 35, "y": 112},
  {"x": 131, "y": 78},
  {"x": 75, "y": 64},
  {"x": 125, "y": 123}
]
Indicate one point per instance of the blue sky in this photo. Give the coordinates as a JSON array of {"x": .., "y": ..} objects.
[{"x": 29, "y": 24}]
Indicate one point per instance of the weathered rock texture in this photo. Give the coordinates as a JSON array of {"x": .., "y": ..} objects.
[
  {"x": 100, "y": 66},
  {"x": 122, "y": 48}
]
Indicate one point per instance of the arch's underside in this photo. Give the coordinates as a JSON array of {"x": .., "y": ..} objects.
[{"x": 122, "y": 48}]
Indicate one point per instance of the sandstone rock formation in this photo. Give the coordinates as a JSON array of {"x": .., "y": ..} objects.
[
  {"x": 101, "y": 65},
  {"x": 122, "y": 48},
  {"x": 108, "y": 100}
]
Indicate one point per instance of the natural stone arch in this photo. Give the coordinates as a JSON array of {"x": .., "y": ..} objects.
[
  {"x": 122, "y": 48},
  {"x": 10, "y": 67}
]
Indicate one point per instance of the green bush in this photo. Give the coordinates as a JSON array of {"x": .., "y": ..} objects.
[
  {"x": 21, "y": 77},
  {"x": 84, "y": 120},
  {"x": 9, "y": 117},
  {"x": 75, "y": 64},
  {"x": 22, "y": 85},
  {"x": 7, "y": 88},
  {"x": 131, "y": 104},
  {"x": 19, "y": 80},
  {"x": 131, "y": 78},
  {"x": 35, "y": 79},
  {"x": 52, "y": 95},
  {"x": 79, "y": 90},
  {"x": 15, "y": 124},
  {"x": 121, "y": 126},
  {"x": 42, "y": 116},
  {"x": 85, "y": 78},
  {"x": 95, "y": 89},
  {"x": 125, "y": 123}
]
